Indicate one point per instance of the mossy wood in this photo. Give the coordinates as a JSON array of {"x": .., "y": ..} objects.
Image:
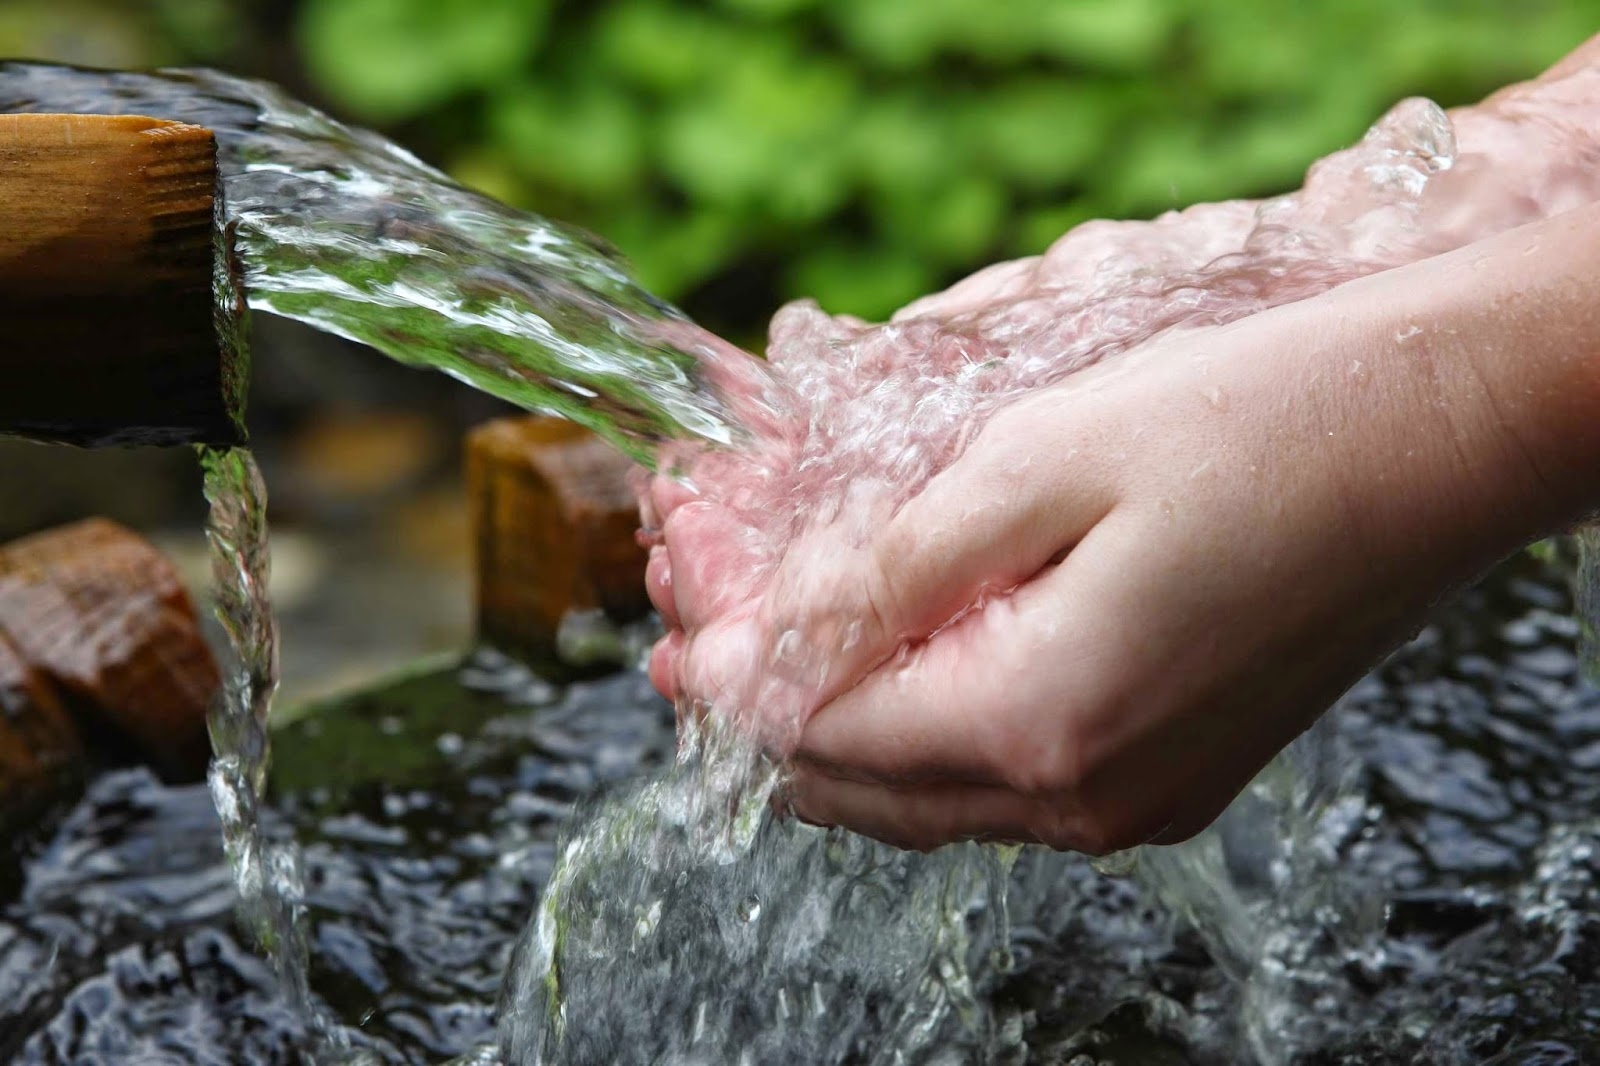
[{"x": 109, "y": 250}]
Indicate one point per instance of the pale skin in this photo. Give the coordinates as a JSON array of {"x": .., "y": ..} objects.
[{"x": 1197, "y": 548}]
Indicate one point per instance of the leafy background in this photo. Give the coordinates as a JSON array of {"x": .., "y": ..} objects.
[{"x": 741, "y": 152}]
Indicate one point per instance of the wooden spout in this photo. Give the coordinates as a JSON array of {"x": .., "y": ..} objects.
[{"x": 109, "y": 250}]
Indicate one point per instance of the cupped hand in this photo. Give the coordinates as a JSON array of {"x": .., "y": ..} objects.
[{"x": 1134, "y": 587}]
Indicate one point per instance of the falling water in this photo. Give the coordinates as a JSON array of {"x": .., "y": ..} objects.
[
  {"x": 339, "y": 228},
  {"x": 686, "y": 924},
  {"x": 265, "y": 872}
]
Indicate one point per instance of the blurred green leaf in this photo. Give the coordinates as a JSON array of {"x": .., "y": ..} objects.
[
  {"x": 1042, "y": 132},
  {"x": 667, "y": 48},
  {"x": 671, "y": 254},
  {"x": 1108, "y": 34},
  {"x": 876, "y": 148},
  {"x": 389, "y": 59},
  {"x": 768, "y": 131},
  {"x": 588, "y": 139},
  {"x": 869, "y": 282},
  {"x": 198, "y": 27},
  {"x": 768, "y": 8},
  {"x": 902, "y": 142},
  {"x": 952, "y": 224}
]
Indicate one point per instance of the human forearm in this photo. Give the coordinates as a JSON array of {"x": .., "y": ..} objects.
[{"x": 1519, "y": 312}]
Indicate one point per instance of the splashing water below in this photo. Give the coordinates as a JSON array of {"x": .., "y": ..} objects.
[
  {"x": 684, "y": 924},
  {"x": 266, "y": 872}
]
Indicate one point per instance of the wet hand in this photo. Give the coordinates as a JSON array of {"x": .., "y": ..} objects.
[{"x": 1178, "y": 560}]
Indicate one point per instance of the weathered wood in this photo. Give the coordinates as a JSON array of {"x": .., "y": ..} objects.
[
  {"x": 101, "y": 615},
  {"x": 554, "y": 521},
  {"x": 109, "y": 248},
  {"x": 39, "y": 743}
]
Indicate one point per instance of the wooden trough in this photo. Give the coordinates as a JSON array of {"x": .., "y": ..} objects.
[{"x": 111, "y": 264}]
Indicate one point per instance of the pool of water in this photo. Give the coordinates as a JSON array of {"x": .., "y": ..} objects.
[{"x": 1464, "y": 819}]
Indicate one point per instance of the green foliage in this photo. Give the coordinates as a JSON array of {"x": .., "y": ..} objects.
[
  {"x": 862, "y": 151},
  {"x": 390, "y": 59}
]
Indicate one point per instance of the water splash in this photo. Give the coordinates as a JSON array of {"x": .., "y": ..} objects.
[
  {"x": 347, "y": 232},
  {"x": 266, "y": 872},
  {"x": 687, "y": 924}
]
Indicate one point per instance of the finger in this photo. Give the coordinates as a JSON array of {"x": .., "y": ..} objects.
[
  {"x": 666, "y": 495},
  {"x": 713, "y": 559},
  {"x": 658, "y": 585},
  {"x": 666, "y": 664},
  {"x": 988, "y": 522},
  {"x": 929, "y": 816},
  {"x": 995, "y": 698},
  {"x": 720, "y": 669}
]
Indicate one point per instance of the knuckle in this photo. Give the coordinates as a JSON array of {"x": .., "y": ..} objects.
[
  {"x": 1043, "y": 761},
  {"x": 885, "y": 581}
]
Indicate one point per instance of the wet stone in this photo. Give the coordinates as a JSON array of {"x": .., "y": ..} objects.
[{"x": 419, "y": 878}]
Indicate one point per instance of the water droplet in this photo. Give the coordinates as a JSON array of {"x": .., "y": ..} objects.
[
  {"x": 852, "y": 635},
  {"x": 750, "y": 909},
  {"x": 1117, "y": 863},
  {"x": 1216, "y": 397},
  {"x": 1406, "y": 333},
  {"x": 787, "y": 648}
]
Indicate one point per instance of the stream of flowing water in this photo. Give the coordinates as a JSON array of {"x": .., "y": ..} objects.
[{"x": 685, "y": 922}]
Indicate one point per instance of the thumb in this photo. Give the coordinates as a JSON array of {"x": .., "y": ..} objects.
[{"x": 989, "y": 522}]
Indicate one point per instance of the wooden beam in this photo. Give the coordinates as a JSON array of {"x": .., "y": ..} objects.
[
  {"x": 39, "y": 744},
  {"x": 101, "y": 616},
  {"x": 554, "y": 521},
  {"x": 109, "y": 249}
]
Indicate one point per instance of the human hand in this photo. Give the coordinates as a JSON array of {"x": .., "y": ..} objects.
[{"x": 1187, "y": 555}]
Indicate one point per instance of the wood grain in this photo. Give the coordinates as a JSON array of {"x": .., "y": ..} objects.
[
  {"x": 109, "y": 248},
  {"x": 554, "y": 522},
  {"x": 101, "y": 616}
]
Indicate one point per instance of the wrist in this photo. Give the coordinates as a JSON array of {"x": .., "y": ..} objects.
[{"x": 1511, "y": 332}]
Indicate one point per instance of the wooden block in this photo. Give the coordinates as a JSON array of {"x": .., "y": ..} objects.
[
  {"x": 554, "y": 521},
  {"x": 109, "y": 249},
  {"x": 101, "y": 614},
  {"x": 39, "y": 744}
]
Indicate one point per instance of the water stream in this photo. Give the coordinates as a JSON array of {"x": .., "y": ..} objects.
[
  {"x": 339, "y": 228},
  {"x": 683, "y": 922}
]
